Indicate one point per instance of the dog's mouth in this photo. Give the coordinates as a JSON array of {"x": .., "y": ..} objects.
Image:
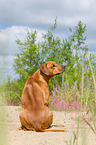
[{"x": 60, "y": 72}]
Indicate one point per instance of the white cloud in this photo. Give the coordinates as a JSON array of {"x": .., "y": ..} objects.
[
  {"x": 6, "y": 61},
  {"x": 7, "y": 39},
  {"x": 43, "y": 11},
  {"x": 9, "y": 35},
  {"x": 5, "y": 66}
]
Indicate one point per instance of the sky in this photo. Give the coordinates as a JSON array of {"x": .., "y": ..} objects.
[{"x": 39, "y": 15}]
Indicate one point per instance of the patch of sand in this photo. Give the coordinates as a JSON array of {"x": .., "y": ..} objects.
[{"x": 63, "y": 120}]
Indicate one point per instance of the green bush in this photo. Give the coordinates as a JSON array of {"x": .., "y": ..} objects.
[{"x": 71, "y": 50}]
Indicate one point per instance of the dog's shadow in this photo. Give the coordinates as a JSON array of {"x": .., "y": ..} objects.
[{"x": 56, "y": 126}]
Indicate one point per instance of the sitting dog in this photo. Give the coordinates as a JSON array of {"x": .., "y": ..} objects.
[{"x": 35, "y": 114}]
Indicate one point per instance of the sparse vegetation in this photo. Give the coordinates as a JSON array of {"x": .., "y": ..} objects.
[
  {"x": 74, "y": 140},
  {"x": 74, "y": 88}
]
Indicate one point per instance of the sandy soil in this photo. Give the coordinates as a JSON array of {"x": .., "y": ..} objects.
[{"x": 64, "y": 120}]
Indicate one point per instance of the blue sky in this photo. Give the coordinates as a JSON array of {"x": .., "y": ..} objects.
[{"x": 17, "y": 15}]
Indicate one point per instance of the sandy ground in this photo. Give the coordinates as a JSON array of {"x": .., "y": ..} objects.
[{"x": 64, "y": 120}]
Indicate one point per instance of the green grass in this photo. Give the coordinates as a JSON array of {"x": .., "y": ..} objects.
[
  {"x": 74, "y": 139},
  {"x": 3, "y": 136},
  {"x": 92, "y": 125}
]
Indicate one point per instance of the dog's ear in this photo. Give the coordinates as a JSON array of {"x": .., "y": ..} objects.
[{"x": 44, "y": 69}]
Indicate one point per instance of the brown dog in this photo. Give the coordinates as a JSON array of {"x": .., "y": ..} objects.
[{"x": 35, "y": 114}]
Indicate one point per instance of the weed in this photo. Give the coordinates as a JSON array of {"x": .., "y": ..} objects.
[
  {"x": 92, "y": 109},
  {"x": 75, "y": 134}
]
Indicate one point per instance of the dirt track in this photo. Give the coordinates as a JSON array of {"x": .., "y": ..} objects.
[{"x": 63, "y": 120}]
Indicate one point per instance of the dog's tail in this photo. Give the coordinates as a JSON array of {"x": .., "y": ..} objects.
[
  {"x": 39, "y": 129},
  {"x": 42, "y": 130},
  {"x": 55, "y": 130}
]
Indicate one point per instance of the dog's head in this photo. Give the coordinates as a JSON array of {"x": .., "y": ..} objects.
[{"x": 50, "y": 68}]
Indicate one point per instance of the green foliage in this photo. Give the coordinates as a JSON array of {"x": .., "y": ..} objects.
[
  {"x": 69, "y": 50},
  {"x": 92, "y": 109},
  {"x": 51, "y": 48},
  {"x": 75, "y": 138},
  {"x": 28, "y": 60},
  {"x": 11, "y": 91}
]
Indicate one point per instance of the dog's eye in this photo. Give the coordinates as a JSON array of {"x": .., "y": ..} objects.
[{"x": 53, "y": 65}]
